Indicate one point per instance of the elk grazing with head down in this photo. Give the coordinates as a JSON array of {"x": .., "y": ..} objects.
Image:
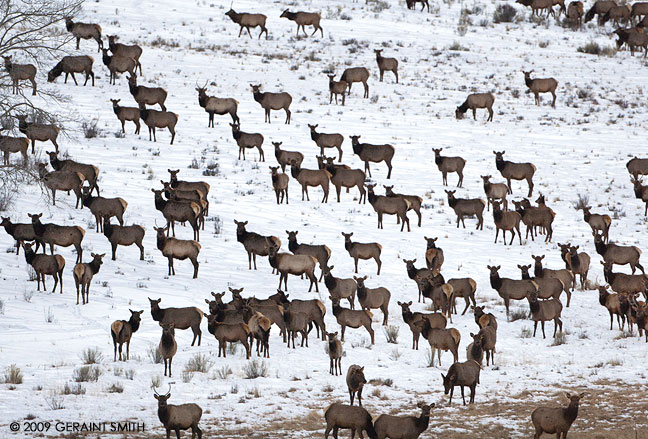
[
  {"x": 247, "y": 140},
  {"x": 617, "y": 14},
  {"x": 514, "y": 171},
  {"x": 159, "y": 119},
  {"x": 126, "y": 113},
  {"x": 373, "y": 298},
  {"x": 336, "y": 88},
  {"x": 304, "y": 19},
  {"x": 214, "y": 105},
  {"x": 146, "y": 95},
  {"x": 389, "y": 205},
  {"x": 279, "y": 184},
  {"x": 311, "y": 177},
  {"x": 123, "y": 235},
  {"x": 52, "y": 265},
  {"x": 475, "y": 101},
  {"x": 386, "y": 65},
  {"x": 83, "y": 274},
  {"x": 247, "y": 20},
  {"x": 464, "y": 374},
  {"x": 544, "y": 85},
  {"x": 118, "y": 64},
  {"x": 327, "y": 140},
  {"x": 556, "y": 420},
  {"x": 127, "y": 51},
  {"x": 37, "y": 131},
  {"x": 356, "y": 74},
  {"x": 178, "y": 417},
  {"x": 414, "y": 201},
  {"x": 467, "y": 207},
  {"x": 449, "y": 164},
  {"x": 404, "y": 427},
  {"x": 494, "y": 191},
  {"x": 637, "y": 167},
  {"x": 181, "y": 249},
  {"x": 71, "y": 65},
  {"x": 510, "y": 289},
  {"x": 272, "y": 101},
  {"x": 182, "y": 318},
  {"x": 413, "y": 319},
  {"x": 54, "y": 234},
  {"x": 348, "y": 416},
  {"x": 575, "y": 14},
  {"x": 21, "y": 233},
  {"x": 373, "y": 153},
  {"x": 9, "y": 145},
  {"x": 122, "y": 332},
  {"x": 20, "y": 72}
]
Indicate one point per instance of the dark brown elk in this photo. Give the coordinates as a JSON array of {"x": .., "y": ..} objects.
[
  {"x": 183, "y": 185},
  {"x": 297, "y": 265},
  {"x": 575, "y": 12},
  {"x": 467, "y": 207},
  {"x": 104, "y": 208},
  {"x": 510, "y": 289},
  {"x": 335, "y": 356},
  {"x": 124, "y": 235},
  {"x": 347, "y": 416},
  {"x": 214, "y": 105},
  {"x": 21, "y": 233},
  {"x": 128, "y": 51},
  {"x": 389, "y": 205},
  {"x": 336, "y": 88},
  {"x": 182, "y": 318},
  {"x": 475, "y": 351},
  {"x": 320, "y": 252},
  {"x": 181, "y": 249},
  {"x": 296, "y": 322},
  {"x": 37, "y": 131},
  {"x": 327, "y": 140},
  {"x": 62, "y": 181},
  {"x": 311, "y": 177},
  {"x": 168, "y": 345},
  {"x": 373, "y": 298},
  {"x": 351, "y": 318},
  {"x": 637, "y": 167},
  {"x": 54, "y": 234},
  {"x": 639, "y": 9},
  {"x": 285, "y": 157},
  {"x": 640, "y": 191},
  {"x": 358, "y": 250},
  {"x": 118, "y": 64},
  {"x": 254, "y": 243},
  {"x": 556, "y": 420},
  {"x": 355, "y": 380},
  {"x": 488, "y": 335},
  {"x": 412, "y": 319},
  {"x": 10, "y": 145},
  {"x": 449, "y": 164},
  {"x": 178, "y": 417},
  {"x": 146, "y": 95},
  {"x": 178, "y": 210},
  {"x": 464, "y": 374},
  {"x": 272, "y": 101},
  {"x": 565, "y": 276},
  {"x": 86, "y": 31},
  {"x": 20, "y": 72},
  {"x": 304, "y": 19},
  {"x": 386, "y": 65},
  {"x": 414, "y": 201},
  {"x": 90, "y": 172},
  {"x": 247, "y": 140},
  {"x": 615, "y": 306},
  {"x": 279, "y": 184},
  {"x": 247, "y": 20},
  {"x": 544, "y": 310},
  {"x": 494, "y": 191},
  {"x": 126, "y": 113},
  {"x": 122, "y": 331},
  {"x": 348, "y": 178},
  {"x": 83, "y": 274},
  {"x": 537, "y": 86},
  {"x": 51, "y": 265},
  {"x": 412, "y": 3},
  {"x": 434, "y": 257},
  {"x": 71, "y": 65},
  {"x": 598, "y": 222},
  {"x": 618, "y": 254},
  {"x": 475, "y": 101},
  {"x": 373, "y": 153},
  {"x": 418, "y": 274},
  {"x": 356, "y": 74},
  {"x": 514, "y": 171},
  {"x": 159, "y": 119},
  {"x": 577, "y": 263},
  {"x": 229, "y": 333}
]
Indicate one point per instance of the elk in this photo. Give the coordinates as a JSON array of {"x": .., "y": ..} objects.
[
  {"x": 320, "y": 252},
  {"x": 285, "y": 157},
  {"x": 159, "y": 119},
  {"x": 52, "y": 265},
  {"x": 336, "y": 88},
  {"x": 464, "y": 374},
  {"x": 9, "y": 145},
  {"x": 356, "y": 74},
  {"x": 537, "y": 85},
  {"x": 37, "y": 131},
  {"x": 297, "y": 265},
  {"x": 373, "y": 153},
  {"x": 449, "y": 164},
  {"x": 182, "y": 318},
  {"x": 635, "y": 38},
  {"x": 180, "y": 249},
  {"x": 254, "y": 243},
  {"x": 404, "y": 427},
  {"x": 640, "y": 191},
  {"x": 434, "y": 257},
  {"x": 335, "y": 356},
  {"x": 412, "y": 319},
  {"x": 463, "y": 287},
  {"x": 414, "y": 201},
  {"x": 122, "y": 332},
  {"x": 494, "y": 191},
  {"x": 20, "y": 72},
  {"x": 625, "y": 283},
  {"x": 62, "y": 181},
  {"x": 272, "y": 101},
  {"x": 535, "y": 217},
  {"x": 128, "y": 51},
  {"x": 598, "y": 222},
  {"x": 358, "y": 250},
  {"x": 351, "y": 318},
  {"x": 564, "y": 275},
  {"x": 90, "y": 172},
  {"x": 339, "y": 287},
  {"x": 544, "y": 310},
  {"x": 86, "y": 31},
  {"x": 575, "y": 14},
  {"x": 214, "y": 105},
  {"x": 514, "y": 171},
  {"x": 178, "y": 210},
  {"x": 126, "y": 113},
  {"x": 557, "y": 420},
  {"x": 178, "y": 417},
  {"x": 71, "y": 65},
  {"x": 54, "y": 234},
  {"x": 373, "y": 298},
  {"x": 296, "y": 322},
  {"x": 348, "y": 178},
  {"x": 510, "y": 289},
  {"x": 482, "y": 319},
  {"x": 247, "y": 20},
  {"x": 467, "y": 207},
  {"x": 355, "y": 380},
  {"x": 389, "y": 205},
  {"x": 83, "y": 274},
  {"x": 327, "y": 140},
  {"x": 168, "y": 346},
  {"x": 537, "y": 6},
  {"x": 123, "y": 235},
  {"x": 21, "y": 233},
  {"x": 146, "y": 95},
  {"x": 247, "y": 140},
  {"x": 386, "y": 65},
  {"x": 578, "y": 263},
  {"x": 104, "y": 208},
  {"x": 191, "y": 195},
  {"x": 488, "y": 336},
  {"x": 304, "y": 19},
  {"x": 418, "y": 274},
  {"x": 348, "y": 416},
  {"x": 313, "y": 308},
  {"x": 229, "y": 332},
  {"x": 311, "y": 177},
  {"x": 182, "y": 185},
  {"x": 118, "y": 64},
  {"x": 441, "y": 339},
  {"x": 615, "y": 306},
  {"x": 475, "y": 101},
  {"x": 279, "y": 184},
  {"x": 639, "y": 9},
  {"x": 475, "y": 351},
  {"x": 618, "y": 13},
  {"x": 618, "y": 254},
  {"x": 637, "y": 167},
  {"x": 548, "y": 287}
]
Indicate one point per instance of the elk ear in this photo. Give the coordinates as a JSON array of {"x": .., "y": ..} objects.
[
  {"x": 207, "y": 301},
  {"x": 409, "y": 303},
  {"x": 568, "y": 395}
]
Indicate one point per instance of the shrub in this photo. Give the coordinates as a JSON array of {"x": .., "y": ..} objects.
[
  {"x": 592, "y": 48},
  {"x": 86, "y": 373},
  {"x": 90, "y": 128},
  {"x": 526, "y": 333},
  {"x": 518, "y": 314},
  {"x": 213, "y": 169},
  {"x": 154, "y": 354},
  {"x": 13, "y": 375},
  {"x": 429, "y": 358},
  {"x": 218, "y": 225},
  {"x": 187, "y": 376},
  {"x": 504, "y": 13},
  {"x": 156, "y": 381},
  {"x": 559, "y": 339},
  {"x": 92, "y": 356},
  {"x": 54, "y": 402},
  {"x": 129, "y": 374},
  {"x": 583, "y": 201},
  {"x": 391, "y": 333},
  {"x": 73, "y": 389},
  {"x": 198, "y": 363},
  {"x": 457, "y": 46},
  {"x": 223, "y": 372},
  {"x": 255, "y": 369},
  {"x": 115, "y": 388}
]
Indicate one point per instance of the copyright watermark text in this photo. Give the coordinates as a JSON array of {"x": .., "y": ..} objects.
[{"x": 77, "y": 427}]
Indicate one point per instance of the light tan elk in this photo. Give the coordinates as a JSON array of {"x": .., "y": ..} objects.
[
  {"x": 182, "y": 318},
  {"x": 10, "y": 145},
  {"x": 475, "y": 101},
  {"x": 514, "y": 171},
  {"x": 510, "y": 289},
  {"x": 260, "y": 331},
  {"x": 178, "y": 417},
  {"x": 613, "y": 303},
  {"x": 373, "y": 153},
  {"x": 21, "y": 232},
  {"x": 272, "y": 101},
  {"x": 556, "y": 420},
  {"x": 90, "y": 172},
  {"x": 118, "y": 64},
  {"x": 441, "y": 339},
  {"x": 86, "y": 31},
  {"x": 637, "y": 167},
  {"x": 414, "y": 201},
  {"x": 348, "y": 178},
  {"x": 327, "y": 140},
  {"x": 181, "y": 249},
  {"x": 311, "y": 177},
  {"x": 71, "y": 65},
  {"x": 494, "y": 191},
  {"x": 247, "y": 20},
  {"x": 548, "y": 287},
  {"x": 51, "y": 265},
  {"x": 297, "y": 265},
  {"x": 488, "y": 336},
  {"x": 279, "y": 184},
  {"x": 351, "y": 318},
  {"x": 336, "y": 88},
  {"x": 285, "y": 157},
  {"x": 373, "y": 298},
  {"x": 247, "y": 140},
  {"x": 126, "y": 113},
  {"x": 53, "y": 234},
  {"x": 339, "y": 287},
  {"x": 575, "y": 12},
  {"x": 358, "y": 250},
  {"x": 214, "y": 105},
  {"x": 565, "y": 276},
  {"x": 356, "y": 74},
  {"x": 304, "y": 19},
  {"x": 83, "y": 274},
  {"x": 467, "y": 207},
  {"x": 482, "y": 319},
  {"x": 449, "y": 164},
  {"x": 598, "y": 222},
  {"x": 62, "y": 181},
  {"x": 389, "y": 205},
  {"x": 159, "y": 119},
  {"x": 413, "y": 319},
  {"x": 404, "y": 427},
  {"x": 183, "y": 185},
  {"x": 20, "y": 72},
  {"x": 544, "y": 85},
  {"x": 386, "y": 65},
  {"x": 254, "y": 243},
  {"x": 128, "y": 51},
  {"x": 146, "y": 95},
  {"x": 38, "y": 131},
  {"x": 124, "y": 235},
  {"x": 122, "y": 331},
  {"x": 104, "y": 208}
]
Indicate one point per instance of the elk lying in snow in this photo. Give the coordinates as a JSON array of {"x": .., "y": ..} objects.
[
  {"x": 320, "y": 252},
  {"x": 464, "y": 374},
  {"x": 386, "y": 65},
  {"x": 104, "y": 208},
  {"x": 229, "y": 333},
  {"x": 62, "y": 181},
  {"x": 514, "y": 171},
  {"x": 544, "y": 310},
  {"x": 168, "y": 345},
  {"x": 351, "y": 318},
  {"x": 247, "y": 140},
  {"x": 356, "y": 74},
  {"x": 37, "y": 131},
  {"x": 146, "y": 95},
  {"x": 86, "y": 31},
  {"x": 181, "y": 249},
  {"x": 358, "y": 250},
  {"x": 348, "y": 178},
  {"x": 373, "y": 298},
  {"x": 254, "y": 243},
  {"x": 159, "y": 119},
  {"x": 389, "y": 205},
  {"x": 557, "y": 420},
  {"x": 449, "y": 164},
  {"x": 20, "y": 72},
  {"x": 83, "y": 274},
  {"x": 565, "y": 276},
  {"x": 178, "y": 417},
  {"x": 327, "y": 140},
  {"x": 178, "y": 210},
  {"x": 21, "y": 233},
  {"x": 304, "y": 19},
  {"x": 373, "y": 153},
  {"x": 510, "y": 289},
  {"x": 126, "y": 113},
  {"x": 9, "y": 145},
  {"x": 122, "y": 332},
  {"x": 118, "y": 64},
  {"x": 336, "y": 88},
  {"x": 297, "y": 265},
  {"x": 347, "y": 416},
  {"x": 71, "y": 65},
  {"x": 247, "y": 20},
  {"x": 123, "y": 235},
  {"x": 53, "y": 234},
  {"x": 214, "y": 105},
  {"x": 128, "y": 51},
  {"x": 575, "y": 14},
  {"x": 335, "y": 356},
  {"x": 52, "y": 265},
  {"x": 544, "y": 85},
  {"x": 494, "y": 191},
  {"x": 404, "y": 427},
  {"x": 272, "y": 101},
  {"x": 475, "y": 101},
  {"x": 311, "y": 177},
  {"x": 279, "y": 184},
  {"x": 413, "y": 319},
  {"x": 637, "y": 167},
  {"x": 182, "y": 318},
  {"x": 640, "y": 191},
  {"x": 618, "y": 254},
  {"x": 467, "y": 207},
  {"x": 355, "y": 380}
]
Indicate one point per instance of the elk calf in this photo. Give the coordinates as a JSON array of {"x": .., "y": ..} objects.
[
  {"x": 297, "y": 265},
  {"x": 494, "y": 191},
  {"x": 544, "y": 310},
  {"x": 229, "y": 333},
  {"x": 62, "y": 181},
  {"x": 83, "y": 274},
  {"x": 336, "y": 88},
  {"x": 279, "y": 184}
]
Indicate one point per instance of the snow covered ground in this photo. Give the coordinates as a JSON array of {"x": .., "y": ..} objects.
[{"x": 580, "y": 147}]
